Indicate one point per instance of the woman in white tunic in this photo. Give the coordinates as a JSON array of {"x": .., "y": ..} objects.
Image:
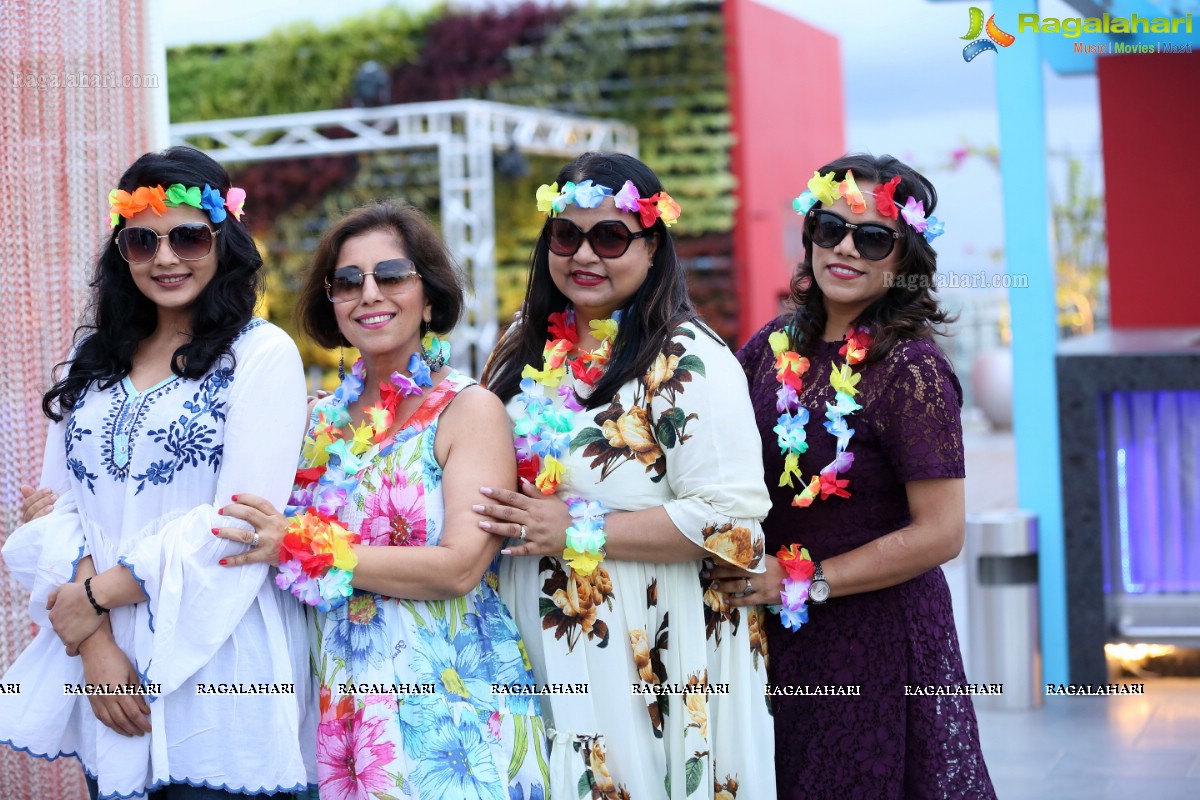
[
  {"x": 634, "y": 429},
  {"x": 182, "y": 679}
]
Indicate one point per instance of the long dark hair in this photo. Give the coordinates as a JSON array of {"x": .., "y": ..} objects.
[
  {"x": 909, "y": 309},
  {"x": 659, "y": 305},
  {"x": 119, "y": 316}
]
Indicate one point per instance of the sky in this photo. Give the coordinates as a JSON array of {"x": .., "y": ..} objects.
[{"x": 908, "y": 92}]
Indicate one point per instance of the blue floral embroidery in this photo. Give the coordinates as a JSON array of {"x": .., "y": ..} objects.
[
  {"x": 189, "y": 440},
  {"x": 251, "y": 325},
  {"x": 73, "y": 436},
  {"x": 124, "y": 419}
]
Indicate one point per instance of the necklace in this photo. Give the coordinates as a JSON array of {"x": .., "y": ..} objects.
[
  {"x": 543, "y": 434},
  {"x": 335, "y": 459},
  {"x": 790, "y": 368}
]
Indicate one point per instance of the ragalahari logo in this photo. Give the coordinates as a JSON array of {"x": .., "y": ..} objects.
[{"x": 995, "y": 36}]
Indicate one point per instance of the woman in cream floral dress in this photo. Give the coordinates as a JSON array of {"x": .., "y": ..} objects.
[{"x": 633, "y": 419}]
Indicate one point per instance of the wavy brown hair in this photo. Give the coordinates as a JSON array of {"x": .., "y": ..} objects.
[{"x": 909, "y": 309}]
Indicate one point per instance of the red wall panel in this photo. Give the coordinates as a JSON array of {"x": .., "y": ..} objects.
[
  {"x": 788, "y": 119},
  {"x": 1150, "y": 116}
]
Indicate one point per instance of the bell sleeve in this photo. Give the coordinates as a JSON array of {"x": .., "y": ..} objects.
[
  {"x": 704, "y": 423},
  {"x": 44, "y": 553},
  {"x": 194, "y": 603}
]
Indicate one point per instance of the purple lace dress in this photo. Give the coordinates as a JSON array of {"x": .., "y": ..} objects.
[{"x": 881, "y": 744}]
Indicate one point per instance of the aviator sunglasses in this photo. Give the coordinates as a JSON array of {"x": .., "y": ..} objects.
[
  {"x": 873, "y": 242},
  {"x": 391, "y": 277},
  {"x": 189, "y": 242},
  {"x": 608, "y": 239}
]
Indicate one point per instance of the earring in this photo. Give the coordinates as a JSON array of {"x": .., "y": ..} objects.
[
  {"x": 434, "y": 352},
  {"x": 341, "y": 365}
]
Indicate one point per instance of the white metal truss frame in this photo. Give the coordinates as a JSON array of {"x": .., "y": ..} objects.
[{"x": 465, "y": 134}]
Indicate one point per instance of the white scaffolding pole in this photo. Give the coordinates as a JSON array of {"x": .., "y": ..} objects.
[{"x": 464, "y": 132}]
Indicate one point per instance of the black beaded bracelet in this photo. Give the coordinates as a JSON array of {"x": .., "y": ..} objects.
[{"x": 87, "y": 587}]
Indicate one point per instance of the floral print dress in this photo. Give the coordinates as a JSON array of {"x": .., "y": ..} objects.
[
  {"x": 408, "y": 706},
  {"x": 673, "y": 703}
]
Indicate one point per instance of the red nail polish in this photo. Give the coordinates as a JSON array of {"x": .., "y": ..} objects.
[
  {"x": 235, "y": 498},
  {"x": 214, "y": 530},
  {"x": 221, "y": 510},
  {"x": 223, "y": 562}
]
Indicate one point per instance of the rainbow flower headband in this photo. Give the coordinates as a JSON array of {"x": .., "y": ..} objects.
[
  {"x": 827, "y": 189},
  {"x": 585, "y": 194},
  {"x": 126, "y": 204}
]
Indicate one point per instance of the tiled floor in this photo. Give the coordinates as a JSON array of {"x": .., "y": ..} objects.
[
  {"x": 1144, "y": 747},
  {"x": 1093, "y": 748}
]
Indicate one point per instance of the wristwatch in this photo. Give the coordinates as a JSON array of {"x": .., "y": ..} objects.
[{"x": 818, "y": 592}]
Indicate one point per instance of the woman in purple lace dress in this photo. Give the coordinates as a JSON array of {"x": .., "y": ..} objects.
[{"x": 856, "y": 390}]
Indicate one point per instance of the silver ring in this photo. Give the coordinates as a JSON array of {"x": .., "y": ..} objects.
[
  {"x": 523, "y": 532},
  {"x": 749, "y": 588},
  {"x": 254, "y": 540}
]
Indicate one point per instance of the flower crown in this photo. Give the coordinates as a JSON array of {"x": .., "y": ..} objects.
[
  {"x": 827, "y": 189},
  {"x": 126, "y": 204},
  {"x": 585, "y": 194}
]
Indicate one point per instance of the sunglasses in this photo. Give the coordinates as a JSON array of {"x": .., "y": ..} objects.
[
  {"x": 391, "y": 277},
  {"x": 608, "y": 239},
  {"x": 873, "y": 242},
  {"x": 189, "y": 242}
]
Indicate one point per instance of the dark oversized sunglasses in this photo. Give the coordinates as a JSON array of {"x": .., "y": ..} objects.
[
  {"x": 394, "y": 276},
  {"x": 872, "y": 241},
  {"x": 608, "y": 239},
  {"x": 189, "y": 241}
]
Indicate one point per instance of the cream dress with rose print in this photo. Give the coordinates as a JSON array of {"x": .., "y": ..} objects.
[{"x": 641, "y": 635}]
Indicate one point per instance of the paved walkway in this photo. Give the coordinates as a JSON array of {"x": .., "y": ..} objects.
[
  {"x": 1140, "y": 747},
  {"x": 1144, "y": 747}
]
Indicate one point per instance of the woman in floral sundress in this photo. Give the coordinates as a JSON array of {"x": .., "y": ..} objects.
[
  {"x": 633, "y": 422},
  {"x": 408, "y": 646}
]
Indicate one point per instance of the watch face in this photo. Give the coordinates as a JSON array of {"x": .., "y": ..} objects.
[{"x": 819, "y": 591}]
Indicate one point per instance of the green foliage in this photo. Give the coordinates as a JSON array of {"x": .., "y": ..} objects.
[
  {"x": 1079, "y": 241},
  {"x": 292, "y": 69},
  {"x": 659, "y": 66},
  {"x": 1080, "y": 249}
]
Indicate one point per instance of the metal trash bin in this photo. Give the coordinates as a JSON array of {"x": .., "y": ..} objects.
[{"x": 1002, "y": 599}]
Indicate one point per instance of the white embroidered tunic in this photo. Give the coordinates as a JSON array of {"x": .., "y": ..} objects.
[{"x": 140, "y": 477}]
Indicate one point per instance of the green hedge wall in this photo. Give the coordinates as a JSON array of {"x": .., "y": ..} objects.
[{"x": 660, "y": 66}]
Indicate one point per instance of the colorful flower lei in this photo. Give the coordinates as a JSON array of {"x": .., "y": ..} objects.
[
  {"x": 585, "y": 194},
  {"x": 790, "y": 368},
  {"x": 586, "y": 538},
  {"x": 127, "y": 204},
  {"x": 313, "y": 553},
  {"x": 827, "y": 189},
  {"x": 316, "y": 562},
  {"x": 543, "y": 434},
  {"x": 793, "y": 611}
]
